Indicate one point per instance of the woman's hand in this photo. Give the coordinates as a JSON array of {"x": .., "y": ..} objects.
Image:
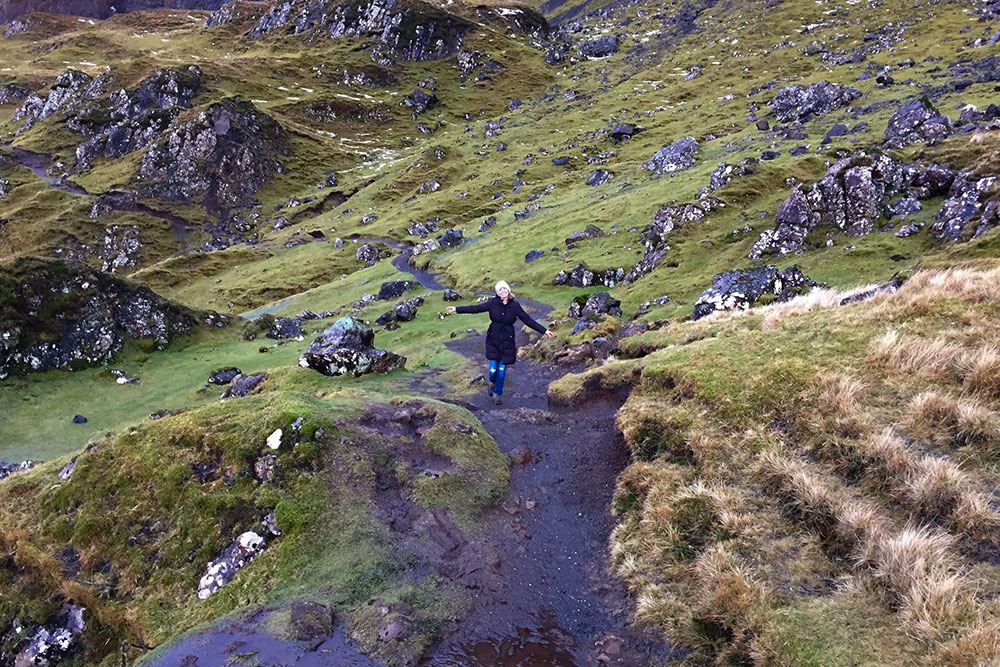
[
  {"x": 549, "y": 334},
  {"x": 450, "y": 310}
]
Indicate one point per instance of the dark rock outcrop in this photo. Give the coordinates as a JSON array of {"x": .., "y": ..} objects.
[
  {"x": 597, "y": 303},
  {"x": 223, "y": 375},
  {"x": 8, "y": 469},
  {"x": 739, "y": 290},
  {"x": 394, "y": 289},
  {"x": 917, "y": 121},
  {"x": 53, "y": 315},
  {"x": 55, "y": 641},
  {"x": 600, "y": 47},
  {"x": 346, "y": 348},
  {"x": 851, "y": 197},
  {"x": 967, "y": 201},
  {"x": 403, "y": 30},
  {"x": 12, "y": 92},
  {"x": 223, "y": 157},
  {"x": 802, "y": 103},
  {"x": 581, "y": 276},
  {"x": 70, "y": 89},
  {"x": 130, "y": 120},
  {"x": 241, "y": 385},
  {"x": 675, "y": 157}
]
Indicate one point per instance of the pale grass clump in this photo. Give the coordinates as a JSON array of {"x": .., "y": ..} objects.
[
  {"x": 979, "y": 647},
  {"x": 980, "y": 370},
  {"x": 889, "y": 451},
  {"x": 978, "y": 427},
  {"x": 916, "y": 571},
  {"x": 974, "y": 515},
  {"x": 936, "y": 358},
  {"x": 933, "y": 416},
  {"x": 818, "y": 297},
  {"x": 658, "y": 607},
  {"x": 925, "y": 287},
  {"x": 934, "y": 486},
  {"x": 840, "y": 394}
]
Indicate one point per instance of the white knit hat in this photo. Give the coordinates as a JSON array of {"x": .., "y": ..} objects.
[{"x": 500, "y": 284}]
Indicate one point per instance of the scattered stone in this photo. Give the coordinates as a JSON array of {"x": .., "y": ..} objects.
[
  {"x": 451, "y": 295},
  {"x": 79, "y": 419},
  {"x": 56, "y": 641},
  {"x": 274, "y": 440},
  {"x": 890, "y": 287},
  {"x": 532, "y": 255},
  {"x": 739, "y": 290},
  {"x": 581, "y": 276},
  {"x": 589, "y": 232},
  {"x": 346, "y": 347},
  {"x": 770, "y": 155},
  {"x": 488, "y": 223},
  {"x": 282, "y": 328},
  {"x": 594, "y": 304},
  {"x": 966, "y": 201},
  {"x": 678, "y": 156},
  {"x": 122, "y": 378},
  {"x": 560, "y": 161}
]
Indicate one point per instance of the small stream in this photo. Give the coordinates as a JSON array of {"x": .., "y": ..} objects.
[{"x": 39, "y": 164}]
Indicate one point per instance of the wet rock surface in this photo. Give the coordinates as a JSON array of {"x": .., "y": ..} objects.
[
  {"x": 66, "y": 317},
  {"x": 741, "y": 289},
  {"x": 346, "y": 348}
]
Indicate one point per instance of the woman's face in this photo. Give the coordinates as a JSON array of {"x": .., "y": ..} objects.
[{"x": 503, "y": 293}]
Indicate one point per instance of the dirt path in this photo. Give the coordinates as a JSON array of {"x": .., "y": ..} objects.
[{"x": 552, "y": 601}]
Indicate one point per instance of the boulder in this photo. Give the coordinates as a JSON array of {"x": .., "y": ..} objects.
[
  {"x": 451, "y": 295},
  {"x": 266, "y": 468},
  {"x": 284, "y": 327},
  {"x": 400, "y": 31},
  {"x": 241, "y": 385},
  {"x": 393, "y": 289},
  {"x": 934, "y": 181},
  {"x": 917, "y": 121},
  {"x": 418, "y": 101},
  {"x": 677, "y": 156},
  {"x": 966, "y": 201},
  {"x": 802, "y": 103},
  {"x": 851, "y": 197},
  {"x": 600, "y": 177},
  {"x": 890, "y": 287},
  {"x": 488, "y": 223},
  {"x": 622, "y": 132},
  {"x": 532, "y": 255},
  {"x": 311, "y": 622},
  {"x": 600, "y": 47},
  {"x": 581, "y": 276},
  {"x": 589, "y": 232},
  {"x": 595, "y": 304},
  {"x": 346, "y": 348},
  {"x": 368, "y": 254},
  {"x": 12, "y": 92},
  {"x": 79, "y": 419},
  {"x": 70, "y": 89},
  {"x": 741, "y": 289},
  {"x": 452, "y": 238}
]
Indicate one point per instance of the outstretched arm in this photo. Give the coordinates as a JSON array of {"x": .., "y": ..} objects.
[
  {"x": 527, "y": 319},
  {"x": 475, "y": 308}
]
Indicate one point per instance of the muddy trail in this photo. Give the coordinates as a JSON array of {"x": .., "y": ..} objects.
[
  {"x": 550, "y": 598},
  {"x": 539, "y": 575},
  {"x": 39, "y": 163}
]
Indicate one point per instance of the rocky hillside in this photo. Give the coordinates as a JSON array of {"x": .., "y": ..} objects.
[{"x": 772, "y": 225}]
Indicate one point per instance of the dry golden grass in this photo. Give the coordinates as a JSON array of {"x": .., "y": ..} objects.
[
  {"x": 839, "y": 394},
  {"x": 918, "y": 295},
  {"x": 978, "y": 427},
  {"x": 933, "y": 416},
  {"x": 981, "y": 372},
  {"x": 935, "y": 358},
  {"x": 980, "y": 647}
]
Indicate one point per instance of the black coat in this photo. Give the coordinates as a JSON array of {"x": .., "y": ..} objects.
[{"x": 500, "y": 345}]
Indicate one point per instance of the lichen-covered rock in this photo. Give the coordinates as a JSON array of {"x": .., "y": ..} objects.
[
  {"x": 130, "y": 120},
  {"x": 600, "y": 177},
  {"x": 53, "y": 315},
  {"x": 346, "y": 348},
  {"x": 368, "y": 254},
  {"x": 12, "y": 92},
  {"x": 594, "y": 304},
  {"x": 236, "y": 556},
  {"x": 677, "y": 156},
  {"x": 393, "y": 289},
  {"x": 56, "y": 640},
  {"x": 8, "y": 469},
  {"x": 223, "y": 157},
  {"x": 408, "y": 31},
  {"x": 69, "y": 90},
  {"x": 802, "y": 103},
  {"x": 851, "y": 197},
  {"x": 600, "y": 47},
  {"x": 452, "y": 238},
  {"x": 581, "y": 276},
  {"x": 738, "y": 290},
  {"x": 917, "y": 121},
  {"x": 966, "y": 201},
  {"x": 284, "y": 327}
]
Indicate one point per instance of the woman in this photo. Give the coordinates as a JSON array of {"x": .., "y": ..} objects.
[{"x": 500, "y": 347}]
